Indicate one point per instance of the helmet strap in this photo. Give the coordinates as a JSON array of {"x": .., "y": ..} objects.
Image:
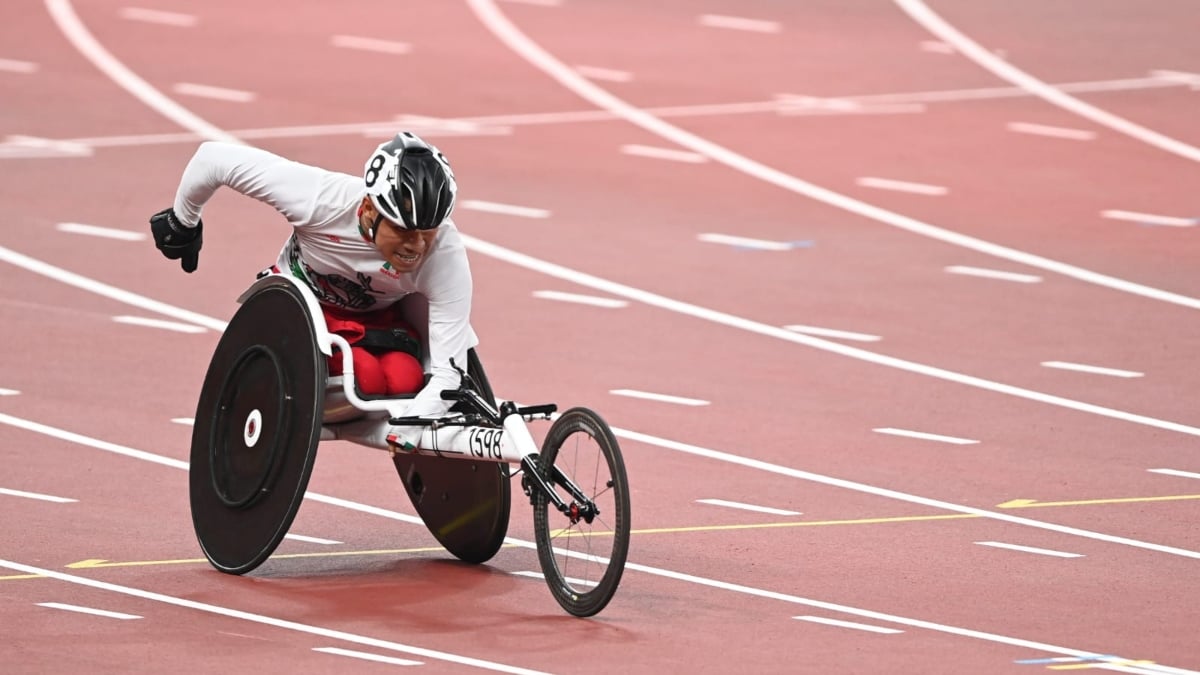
[{"x": 375, "y": 226}]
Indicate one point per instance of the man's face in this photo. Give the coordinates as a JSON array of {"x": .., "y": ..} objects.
[{"x": 403, "y": 248}]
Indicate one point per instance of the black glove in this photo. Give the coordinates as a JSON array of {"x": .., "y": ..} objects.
[{"x": 177, "y": 241}]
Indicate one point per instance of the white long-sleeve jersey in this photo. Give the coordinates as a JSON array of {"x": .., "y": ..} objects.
[{"x": 329, "y": 253}]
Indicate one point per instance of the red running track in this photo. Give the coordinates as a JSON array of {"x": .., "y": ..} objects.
[{"x": 882, "y": 545}]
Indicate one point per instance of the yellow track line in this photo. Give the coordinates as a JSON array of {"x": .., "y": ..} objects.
[{"x": 1012, "y": 504}]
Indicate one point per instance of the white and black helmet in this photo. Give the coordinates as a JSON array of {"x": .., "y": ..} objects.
[{"x": 410, "y": 183}]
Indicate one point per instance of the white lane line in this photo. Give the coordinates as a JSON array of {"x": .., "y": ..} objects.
[
  {"x": 800, "y": 104},
  {"x": 936, "y": 46},
  {"x": 784, "y": 104},
  {"x": 1175, "y": 472},
  {"x": 481, "y": 247},
  {"x": 646, "y": 569},
  {"x": 606, "y": 74},
  {"x": 89, "y": 610},
  {"x": 426, "y": 125},
  {"x": 1190, "y": 80},
  {"x": 9, "y": 392},
  {"x": 14, "y": 66},
  {"x": 1115, "y": 372},
  {"x": 848, "y": 624},
  {"x": 747, "y": 242},
  {"x": 268, "y": 620},
  {"x": 1056, "y": 659},
  {"x": 831, "y": 333},
  {"x": 158, "y": 17},
  {"x": 186, "y": 421},
  {"x": 337, "y": 651},
  {"x": 749, "y": 507},
  {"x": 663, "y": 398},
  {"x": 68, "y": 22},
  {"x": 159, "y": 323},
  {"x": 901, "y": 186},
  {"x": 984, "y": 93},
  {"x": 370, "y": 44},
  {"x": 218, "y": 93},
  {"x": 663, "y": 153},
  {"x": 312, "y": 540},
  {"x": 953, "y": 440},
  {"x": 509, "y": 34},
  {"x": 36, "y": 495},
  {"x": 1052, "y": 132},
  {"x": 611, "y": 303},
  {"x": 739, "y": 23},
  {"x": 97, "y": 231},
  {"x": 797, "y": 103},
  {"x": 1150, "y": 219},
  {"x": 1029, "y": 549},
  {"x": 574, "y": 581},
  {"x": 793, "y": 104},
  {"x": 33, "y": 146},
  {"x": 994, "y": 274},
  {"x": 504, "y": 30},
  {"x": 119, "y": 294},
  {"x": 935, "y": 24},
  {"x": 504, "y": 209},
  {"x": 866, "y": 614},
  {"x": 638, "y": 295}
]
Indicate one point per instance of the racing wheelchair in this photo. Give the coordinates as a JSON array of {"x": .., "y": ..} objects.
[{"x": 267, "y": 402}]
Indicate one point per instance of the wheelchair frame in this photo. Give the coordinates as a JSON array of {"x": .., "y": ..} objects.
[{"x": 476, "y": 430}]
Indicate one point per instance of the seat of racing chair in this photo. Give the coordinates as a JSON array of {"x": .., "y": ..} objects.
[{"x": 414, "y": 309}]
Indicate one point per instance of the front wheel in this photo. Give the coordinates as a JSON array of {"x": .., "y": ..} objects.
[{"x": 582, "y": 551}]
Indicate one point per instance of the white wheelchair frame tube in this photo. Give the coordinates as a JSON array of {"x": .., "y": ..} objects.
[{"x": 509, "y": 444}]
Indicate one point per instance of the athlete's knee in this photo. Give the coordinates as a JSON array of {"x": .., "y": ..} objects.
[
  {"x": 403, "y": 372},
  {"x": 368, "y": 372}
]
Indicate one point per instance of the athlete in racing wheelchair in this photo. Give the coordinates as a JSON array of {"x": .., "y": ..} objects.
[{"x": 361, "y": 331}]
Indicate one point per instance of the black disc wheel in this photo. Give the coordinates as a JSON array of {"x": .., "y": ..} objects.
[
  {"x": 464, "y": 504},
  {"x": 582, "y": 551},
  {"x": 257, "y": 426}
]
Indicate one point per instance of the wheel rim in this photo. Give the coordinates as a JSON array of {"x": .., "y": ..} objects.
[
  {"x": 252, "y": 396},
  {"x": 584, "y": 561}
]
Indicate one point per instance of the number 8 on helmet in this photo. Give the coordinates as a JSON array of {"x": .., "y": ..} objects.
[{"x": 410, "y": 183}]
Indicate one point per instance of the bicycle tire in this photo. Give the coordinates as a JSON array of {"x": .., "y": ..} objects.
[{"x": 587, "y": 595}]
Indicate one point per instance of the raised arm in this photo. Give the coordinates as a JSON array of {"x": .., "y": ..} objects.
[{"x": 288, "y": 186}]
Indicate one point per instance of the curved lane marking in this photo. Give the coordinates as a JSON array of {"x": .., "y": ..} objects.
[
  {"x": 706, "y": 314},
  {"x": 569, "y": 78},
  {"x": 646, "y": 297},
  {"x": 646, "y": 569},
  {"x": 510, "y": 35},
  {"x": 648, "y": 439},
  {"x": 189, "y": 121},
  {"x": 68, "y": 21},
  {"x": 922, "y": 14}
]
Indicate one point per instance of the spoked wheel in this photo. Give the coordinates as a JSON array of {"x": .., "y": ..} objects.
[{"x": 582, "y": 551}]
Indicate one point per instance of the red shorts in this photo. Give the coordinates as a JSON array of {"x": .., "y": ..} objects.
[{"x": 376, "y": 372}]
